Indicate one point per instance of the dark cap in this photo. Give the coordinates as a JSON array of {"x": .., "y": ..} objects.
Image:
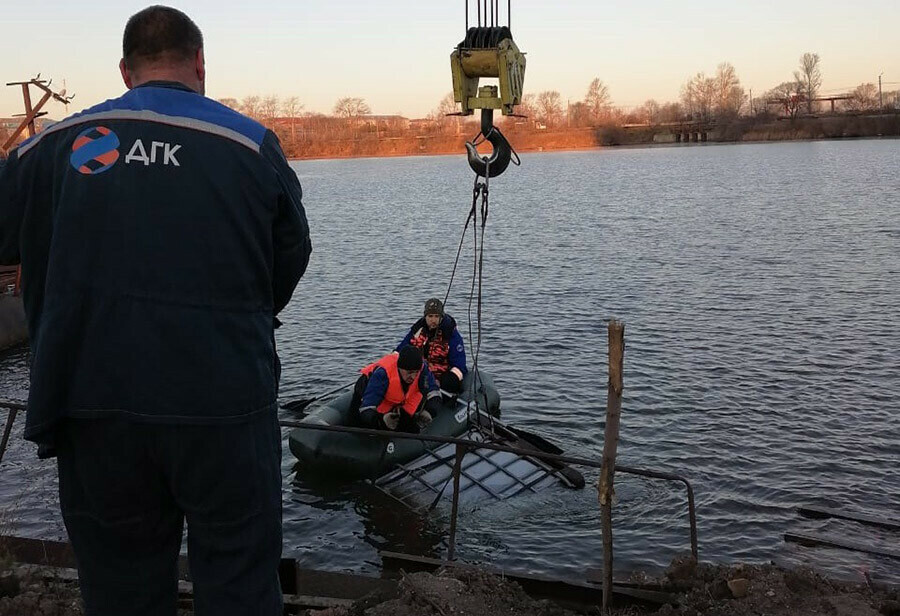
[
  {"x": 410, "y": 358},
  {"x": 434, "y": 306}
]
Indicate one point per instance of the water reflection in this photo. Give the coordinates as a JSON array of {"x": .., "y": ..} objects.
[{"x": 386, "y": 523}]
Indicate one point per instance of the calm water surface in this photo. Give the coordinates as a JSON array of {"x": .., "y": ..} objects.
[{"x": 760, "y": 286}]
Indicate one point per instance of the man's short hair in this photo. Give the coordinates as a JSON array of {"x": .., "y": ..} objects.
[{"x": 160, "y": 34}]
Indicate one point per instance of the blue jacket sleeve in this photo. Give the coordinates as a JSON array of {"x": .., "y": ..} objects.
[
  {"x": 457, "y": 354},
  {"x": 405, "y": 340},
  {"x": 291, "y": 229},
  {"x": 427, "y": 384},
  {"x": 11, "y": 212},
  {"x": 375, "y": 390}
]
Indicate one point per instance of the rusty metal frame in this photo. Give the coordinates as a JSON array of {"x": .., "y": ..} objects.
[
  {"x": 464, "y": 445},
  {"x": 14, "y": 408}
]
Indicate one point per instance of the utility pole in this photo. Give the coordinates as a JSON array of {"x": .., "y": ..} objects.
[
  {"x": 880, "y": 95},
  {"x": 751, "y": 102}
]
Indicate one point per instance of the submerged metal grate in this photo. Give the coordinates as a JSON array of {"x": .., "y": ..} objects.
[{"x": 485, "y": 474}]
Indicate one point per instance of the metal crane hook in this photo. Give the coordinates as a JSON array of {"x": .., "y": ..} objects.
[{"x": 498, "y": 161}]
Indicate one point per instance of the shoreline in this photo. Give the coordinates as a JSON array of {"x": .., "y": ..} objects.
[
  {"x": 684, "y": 589},
  {"x": 598, "y": 148}
]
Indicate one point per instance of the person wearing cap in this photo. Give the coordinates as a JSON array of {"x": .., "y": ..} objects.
[
  {"x": 441, "y": 344},
  {"x": 400, "y": 392}
]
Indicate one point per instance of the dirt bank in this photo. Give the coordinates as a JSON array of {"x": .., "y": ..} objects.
[{"x": 705, "y": 590}]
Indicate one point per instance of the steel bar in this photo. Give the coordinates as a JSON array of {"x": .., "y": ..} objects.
[
  {"x": 416, "y": 477},
  {"x": 499, "y": 469},
  {"x": 826, "y": 542},
  {"x": 463, "y": 472},
  {"x": 824, "y": 512},
  {"x": 451, "y": 549},
  {"x": 567, "y": 592},
  {"x": 516, "y": 450},
  {"x": 14, "y": 408},
  {"x": 287, "y": 423},
  {"x": 10, "y": 419}
]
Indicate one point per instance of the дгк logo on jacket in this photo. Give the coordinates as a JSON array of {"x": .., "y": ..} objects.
[{"x": 95, "y": 150}]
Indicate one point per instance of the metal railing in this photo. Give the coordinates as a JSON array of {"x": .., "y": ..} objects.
[
  {"x": 464, "y": 445},
  {"x": 14, "y": 408},
  {"x": 461, "y": 447}
]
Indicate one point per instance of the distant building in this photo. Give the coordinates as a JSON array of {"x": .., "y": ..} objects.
[{"x": 9, "y": 125}]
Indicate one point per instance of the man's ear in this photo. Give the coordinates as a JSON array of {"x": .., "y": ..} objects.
[
  {"x": 200, "y": 62},
  {"x": 126, "y": 76}
]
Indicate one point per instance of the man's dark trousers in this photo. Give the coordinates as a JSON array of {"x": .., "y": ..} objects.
[{"x": 126, "y": 489}]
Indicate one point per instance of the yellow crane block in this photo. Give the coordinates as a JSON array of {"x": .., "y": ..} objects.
[{"x": 488, "y": 52}]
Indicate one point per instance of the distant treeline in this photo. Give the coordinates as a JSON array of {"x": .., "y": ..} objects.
[{"x": 793, "y": 109}]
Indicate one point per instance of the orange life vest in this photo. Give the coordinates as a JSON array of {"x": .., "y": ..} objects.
[
  {"x": 436, "y": 350},
  {"x": 395, "y": 396}
]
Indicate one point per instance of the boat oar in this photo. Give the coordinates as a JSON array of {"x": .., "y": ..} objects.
[
  {"x": 295, "y": 406},
  {"x": 537, "y": 440}
]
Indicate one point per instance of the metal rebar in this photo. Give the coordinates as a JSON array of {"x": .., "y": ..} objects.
[
  {"x": 287, "y": 423},
  {"x": 6, "y": 432},
  {"x": 460, "y": 453}
]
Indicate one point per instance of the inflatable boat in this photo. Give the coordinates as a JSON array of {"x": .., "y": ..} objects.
[{"x": 366, "y": 456}]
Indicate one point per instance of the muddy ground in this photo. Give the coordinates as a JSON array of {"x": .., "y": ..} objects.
[{"x": 704, "y": 590}]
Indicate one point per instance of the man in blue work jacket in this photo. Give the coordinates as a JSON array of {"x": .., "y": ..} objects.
[{"x": 159, "y": 233}]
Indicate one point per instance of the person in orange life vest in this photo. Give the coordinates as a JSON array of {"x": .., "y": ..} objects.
[
  {"x": 400, "y": 393},
  {"x": 442, "y": 346}
]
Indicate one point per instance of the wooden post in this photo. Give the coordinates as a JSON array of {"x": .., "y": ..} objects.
[
  {"x": 610, "y": 445},
  {"x": 26, "y": 94},
  {"x": 27, "y": 122}
]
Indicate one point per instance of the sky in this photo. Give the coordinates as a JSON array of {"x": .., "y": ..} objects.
[{"x": 395, "y": 54}]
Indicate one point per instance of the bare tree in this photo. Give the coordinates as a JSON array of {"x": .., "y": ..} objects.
[
  {"x": 671, "y": 112},
  {"x": 250, "y": 106},
  {"x": 809, "y": 77},
  {"x": 231, "y": 103},
  {"x": 291, "y": 107},
  {"x": 790, "y": 95},
  {"x": 729, "y": 93},
  {"x": 580, "y": 115},
  {"x": 447, "y": 105},
  {"x": 268, "y": 109},
  {"x": 549, "y": 107},
  {"x": 351, "y": 107},
  {"x": 650, "y": 112},
  {"x": 442, "y": 115},
  {"x": 865, "y": 98},
  {"x": 598, "y": 100},
  {"x": 698, "y": 96},
  {"x": 528, "y": 106}
]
